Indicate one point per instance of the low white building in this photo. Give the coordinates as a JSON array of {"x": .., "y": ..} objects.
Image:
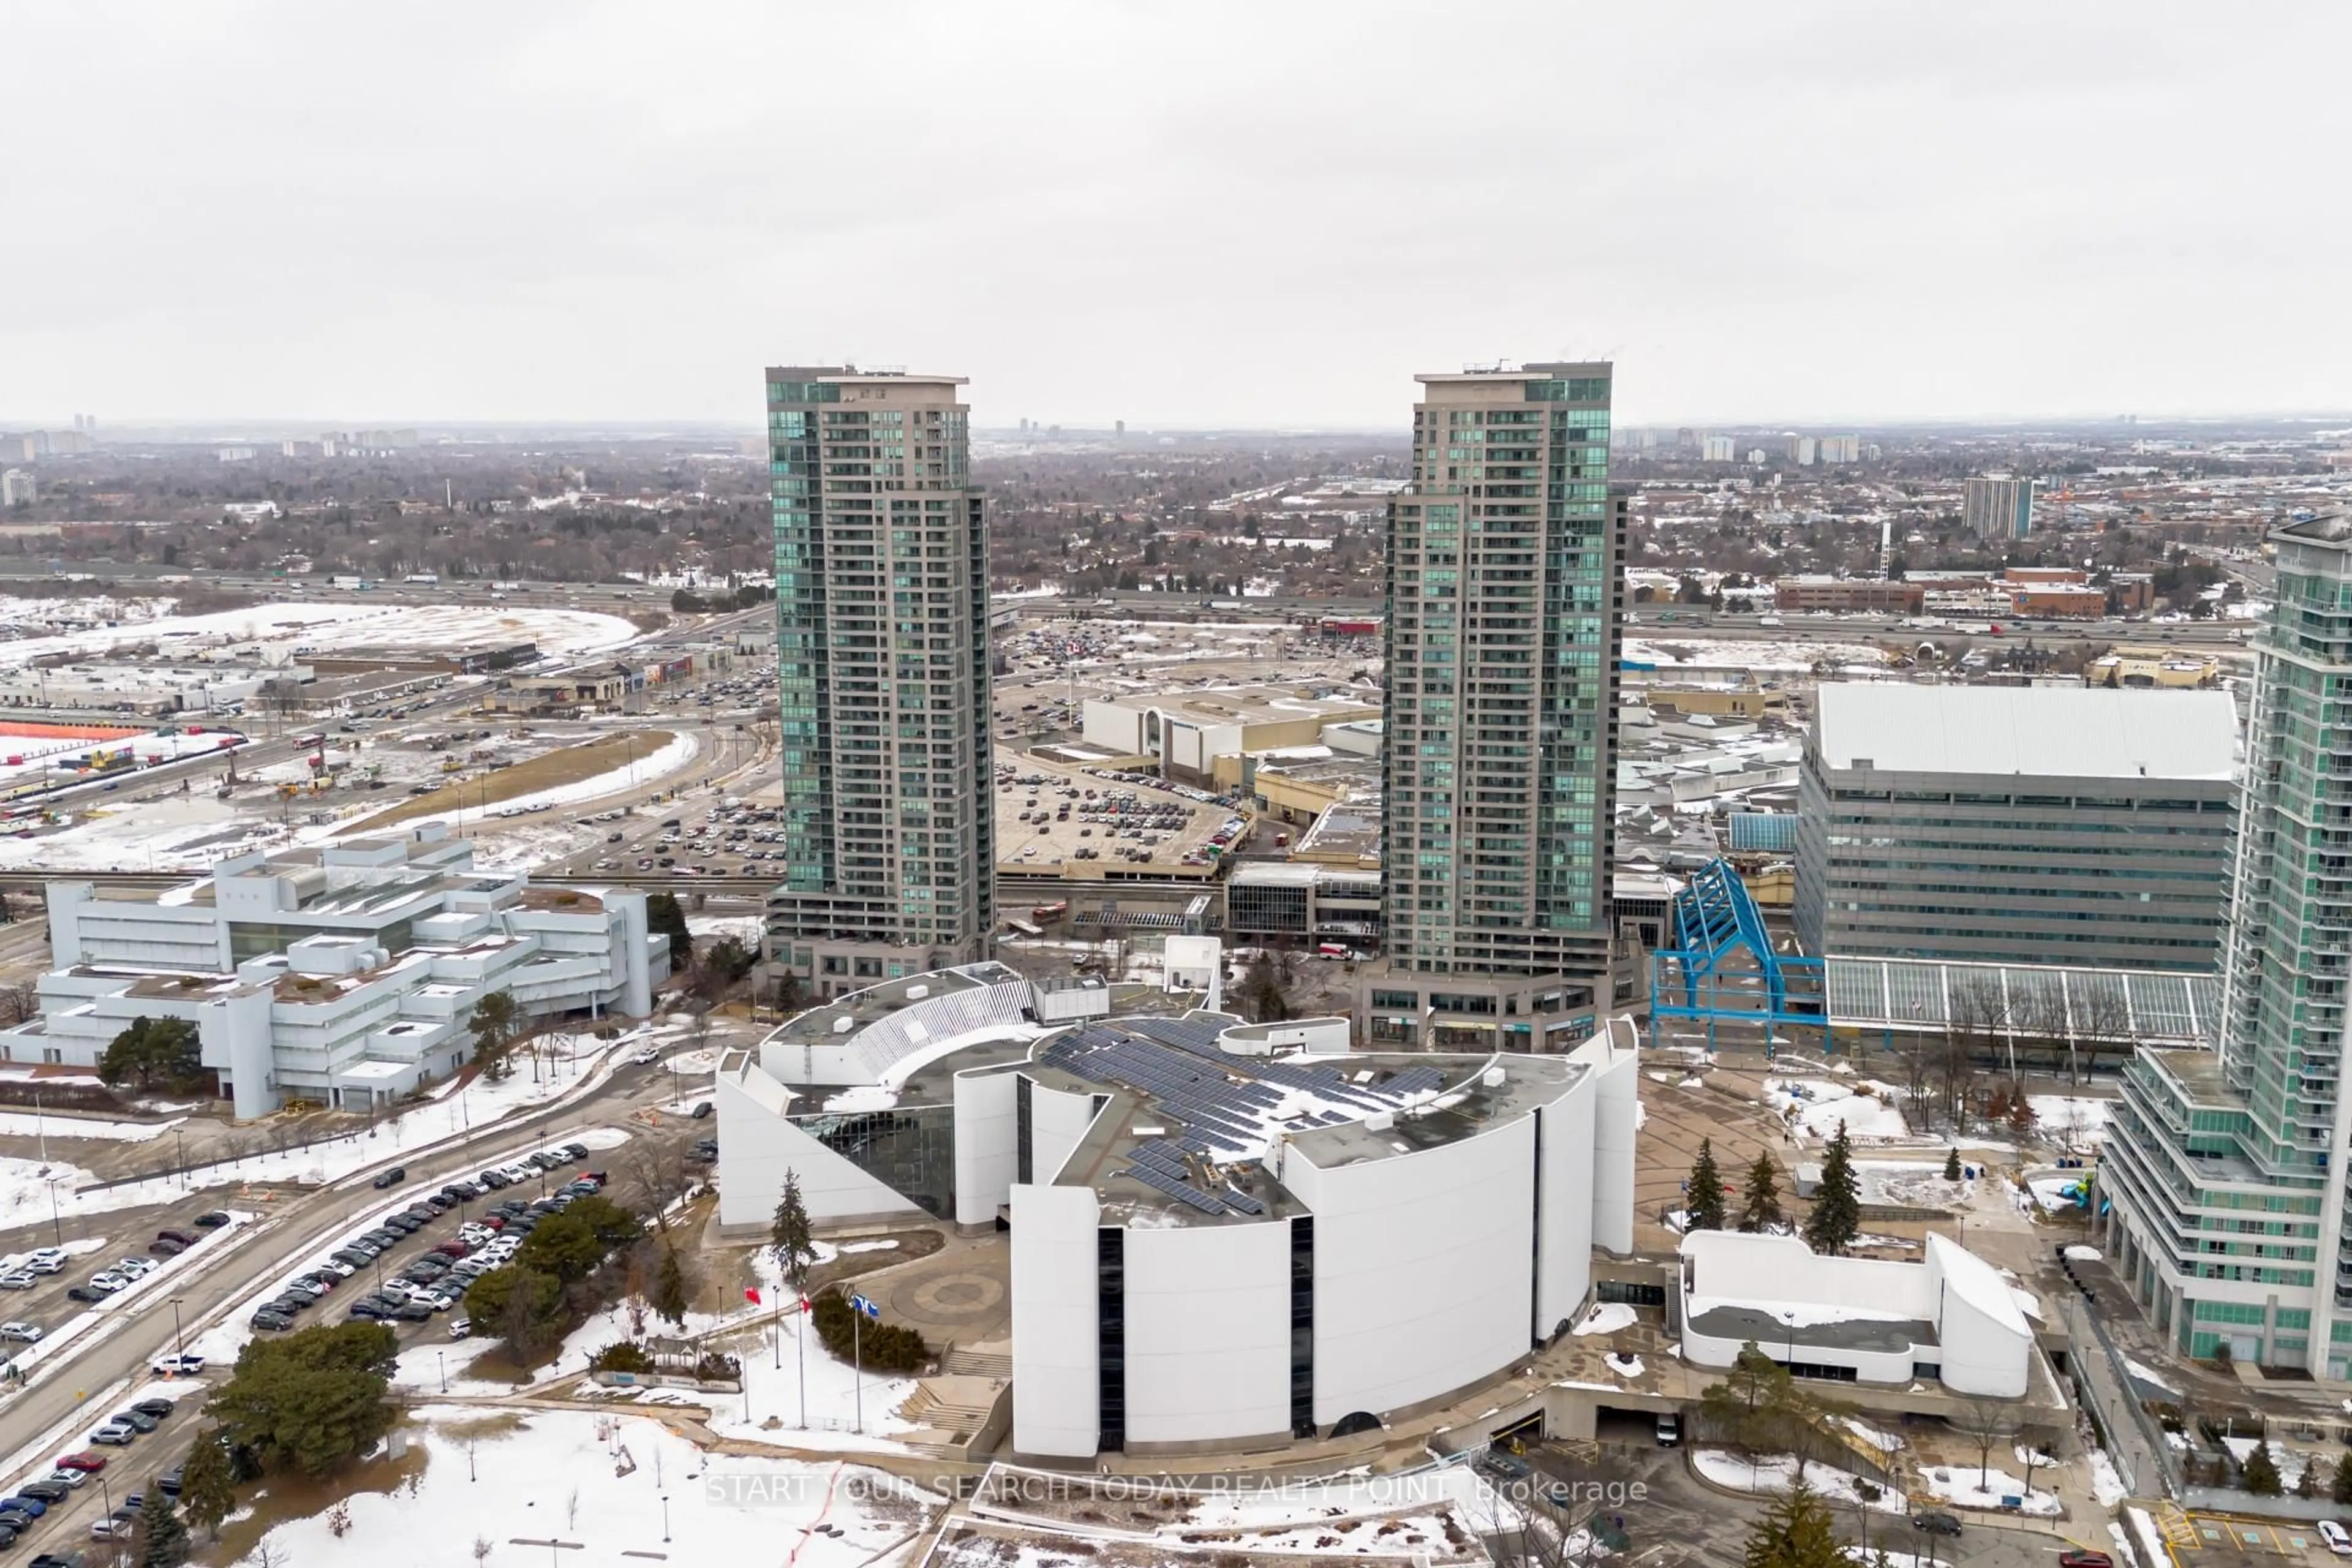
[
  {"x": 342, "y": 974},
  {"x": 1951, "y": 1317},
  {"x": 1222, "y": 1233}
]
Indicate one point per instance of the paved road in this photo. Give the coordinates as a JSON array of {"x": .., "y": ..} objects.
[{"x": 65, "y": 1401}]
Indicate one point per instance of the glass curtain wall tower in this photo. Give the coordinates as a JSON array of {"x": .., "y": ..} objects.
[
  {"x": 882, "y": 675},
  {"x": 2228, "y": 1213},
  {"x": 1505, "y": 608}
]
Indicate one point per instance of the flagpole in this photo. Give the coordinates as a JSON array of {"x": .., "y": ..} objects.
[
  {"x": 857, "y": 1365},
  {"x": 800, "y": 1343}
]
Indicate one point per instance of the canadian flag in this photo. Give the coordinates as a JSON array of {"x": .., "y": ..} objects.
[
  {"x": 750, "y": 1295},
  {"x": 806, "y": 1308}
]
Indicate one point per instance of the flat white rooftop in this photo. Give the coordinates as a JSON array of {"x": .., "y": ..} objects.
[{"x": 2028, "y": 731}]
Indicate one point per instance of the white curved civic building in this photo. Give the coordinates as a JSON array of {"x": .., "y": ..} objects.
[{"x": 1222, "y": 1234}]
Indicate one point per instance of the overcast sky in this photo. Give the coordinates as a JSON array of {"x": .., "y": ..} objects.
[{"x": 1258, "y": 214}]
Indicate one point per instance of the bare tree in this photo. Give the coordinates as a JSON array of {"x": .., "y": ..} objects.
[
  {"x": 19, "y": 1004},
  {"x": 1988, "y": 1421}
]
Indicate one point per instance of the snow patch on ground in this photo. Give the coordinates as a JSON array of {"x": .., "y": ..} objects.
[
  {"x": 2106, "y": 1481},
  {"x": 1971, "y": 1487},
  {"x": 1607, "y": 1317},
  {"x": 27, "y": 1124},
  {"x": 1778, "y": 1472},
  {"x": 2081, "y": 1254}
]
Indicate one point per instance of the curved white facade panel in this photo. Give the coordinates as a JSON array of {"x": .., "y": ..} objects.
[
  {"x": 1208, "y": 1333},
  {"x": 1056, "y": 1400},
  {"x": 987, "y": 1151},
  {"x": 1422, "y": 1269}
]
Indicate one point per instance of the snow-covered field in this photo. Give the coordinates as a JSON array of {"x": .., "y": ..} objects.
[
  {"x": 1777, "y": 1472},
  {"x": 1821, "y": 1104},
  {"x": 2070, "y": 1122},
  {"x": 504, "y": 1477},
  {"x": 680, "y": 750}
]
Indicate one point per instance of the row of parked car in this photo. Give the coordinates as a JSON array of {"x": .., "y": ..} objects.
[
  {"x": 436, "y": 1281},
  {"x": 19, "y": 1514}
]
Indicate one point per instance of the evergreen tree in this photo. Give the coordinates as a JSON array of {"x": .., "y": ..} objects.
[
  {"x": 1952, "y": 1165},
  {"x": 2340, "y": 1484},
  {"x": 495, "y": 1022},
  {"x": 159, "y": 1540},
  {"x": 789, "y": 1239},
  {"x": 1705, "y": 1201},
  {"x": 664, "y": 918},
  {"x": 208, "y": 1484},
  {"x": 2261, "y": 1477},
  {"x": 669, "y": 1289},
  {"x": 1796, "y": 1531},
  {"x": 1837, "y": 1217},
  {"x": 1760, "y": 1205},
  {"x": 2306, "y": 1485}
]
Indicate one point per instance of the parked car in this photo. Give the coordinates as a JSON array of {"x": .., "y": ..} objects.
[
  {"x": 459, "y": 1328},
  {"x": 2086, "y": 1560},
  {"x": 114, "y": 1436},
  {"x": 168, "y": 1483},
  {"x": 159, "y": 1408},
  {"x": 137, "y": 1420},
  {"x": 182, "y": 1365},
  {"x": 2339, "y": 1540},
  {"x": 181, "y": 1236},
  {"x": 210, "y": 1220},
  {"x": 393, "y": 1177},
  {"x": 1937, "y": 1523},
  {"x": 109, "y": 1283},
  {"x": 163, "y": 1249},
  {"x": 271, "y": 1322},
  {"x": 702, "y": 1111},
  {"x": 21, "y": 1332},
  {"x": 1670, "y": 1430},
  {"x": 494, "y": 1180},
  {"x": 88, "y": 1463},
  {"x": 74, "y": 1479},
  {"x": 19, "y": 1280},
  {"x": 30, "y": 1507},
  {"x": 577, "y": 1151},
  {"x": 48, "y": 1491}
]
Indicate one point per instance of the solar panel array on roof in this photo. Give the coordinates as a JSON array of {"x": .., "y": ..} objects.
[
  {"x": 1182, "y": 1192},
  {"x": 1226, "y": 1103}
]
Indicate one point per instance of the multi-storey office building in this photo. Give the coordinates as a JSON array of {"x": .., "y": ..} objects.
[
  {"x": 882, "y": 655},
  {"x": 342, "y": 975},
  {"x": 2016, "y": 825},
  {"x": 2227, "y": 1217},
  {"x": 1504, "y": 604}
]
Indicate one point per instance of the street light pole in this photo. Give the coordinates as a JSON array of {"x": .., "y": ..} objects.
[
  {"x": 179, "y": 1340},
  {"x": 57, "y": 1225},
  {"x": 665, "y": 1518}
]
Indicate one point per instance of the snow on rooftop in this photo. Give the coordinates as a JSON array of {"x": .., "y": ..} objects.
[{"x": 2034, "y": 732}]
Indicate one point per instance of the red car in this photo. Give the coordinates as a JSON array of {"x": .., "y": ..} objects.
[
  {"x": 495, "y": 1221},
  {"x": 453, "y": 1249},
  {"x": 2084, "y": 1560},
  {"x": 88, "y": 1463}
]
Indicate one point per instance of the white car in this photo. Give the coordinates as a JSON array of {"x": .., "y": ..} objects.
[
  {"x": 28, "y": 1332},
  {"x": 474, "y": 1234},
  {"x": 335, "y": 1267},
  {"x": 110, "y": 1283},
  {"x": 646, "y": 1058},
  {"x": 2338, "y": 1541},
  {"x": 19, "y": 1280},
  {"x": 137, "y": 1267},
  {"x": 40, "y": 1264},
  {"x": 177, "y": 1365}
]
